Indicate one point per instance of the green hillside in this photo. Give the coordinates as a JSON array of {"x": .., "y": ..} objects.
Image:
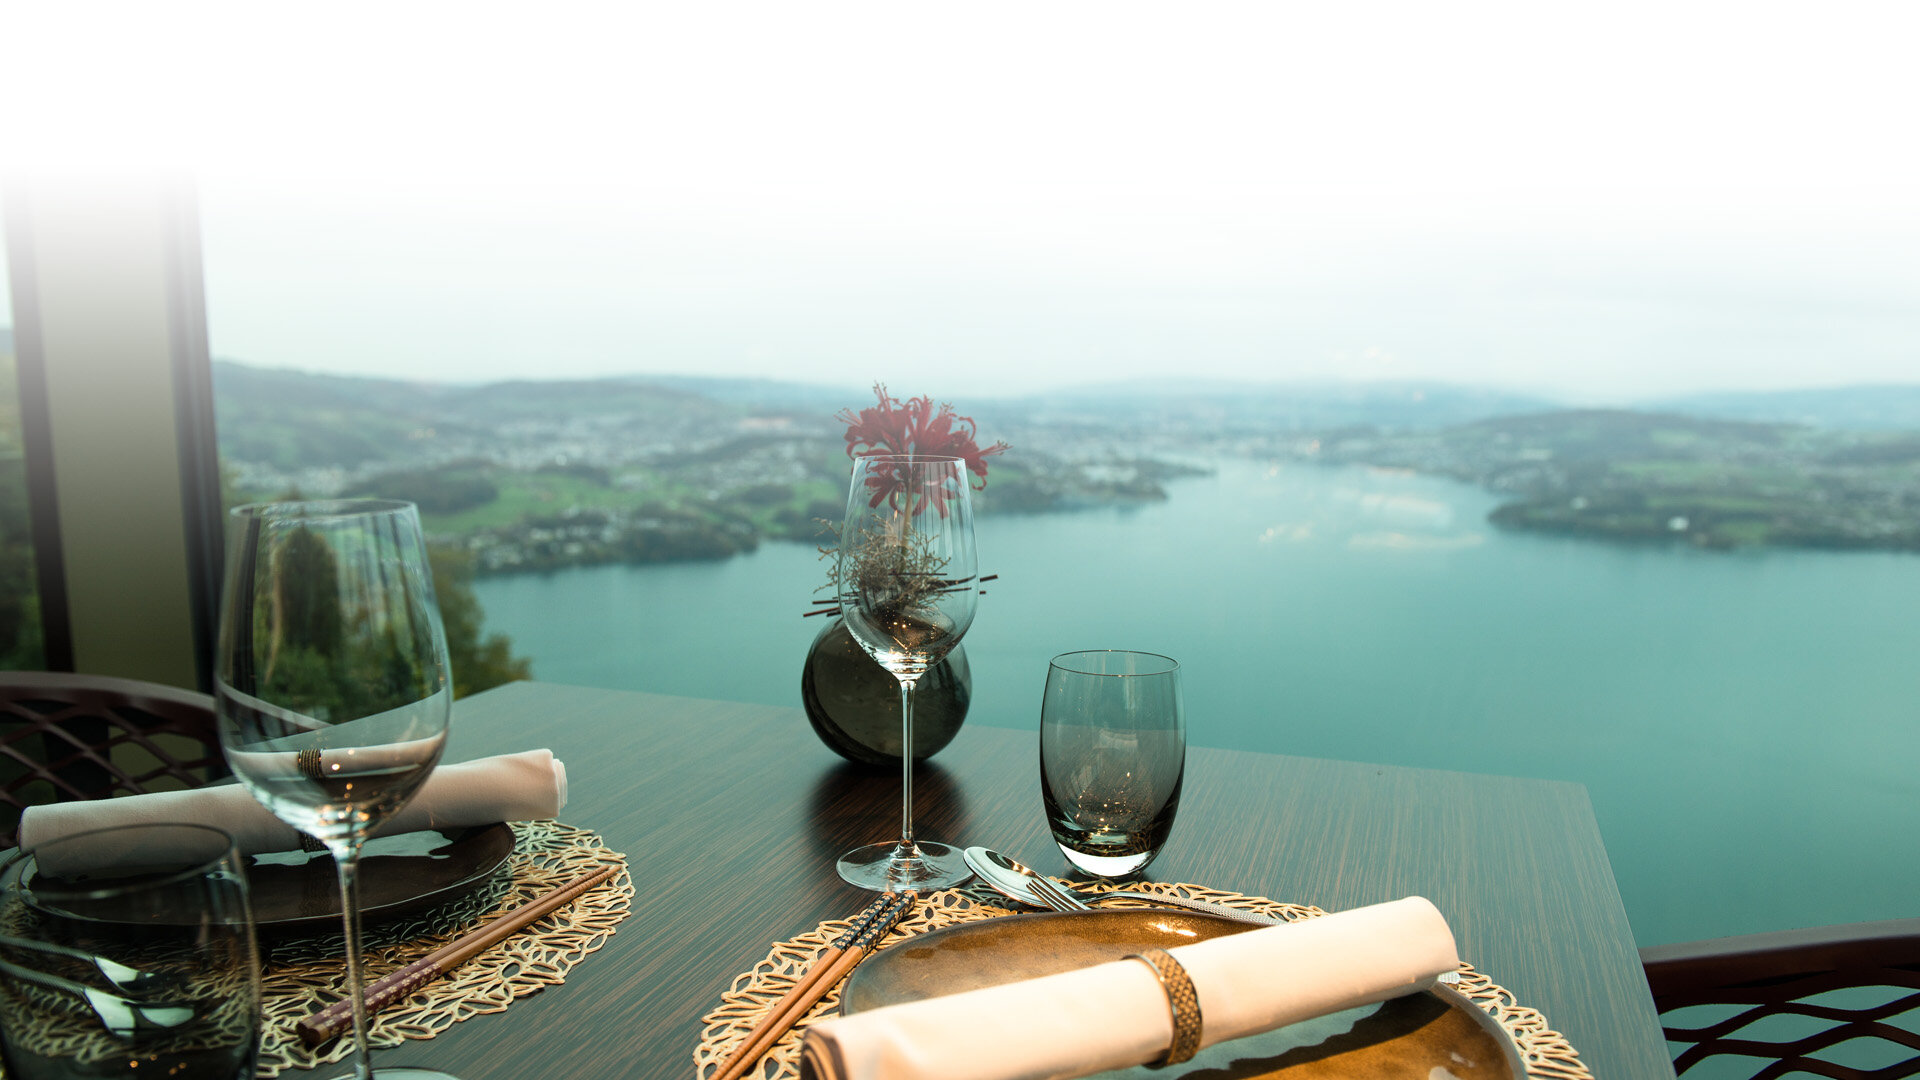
[{"x": 1663, "y": 476}]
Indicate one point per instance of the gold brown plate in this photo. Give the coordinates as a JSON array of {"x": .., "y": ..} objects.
[{"x": 1433, "y": 1034}]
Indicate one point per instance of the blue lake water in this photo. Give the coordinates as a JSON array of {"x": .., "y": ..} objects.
[{"x": 1748, "y": 724}]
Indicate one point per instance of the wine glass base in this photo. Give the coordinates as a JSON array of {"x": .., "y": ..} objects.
[{"x": 889, "y": 868}]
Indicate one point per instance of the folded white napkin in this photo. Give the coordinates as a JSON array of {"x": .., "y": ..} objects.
[
  {"x": 512, "y": 787},
  {"x": 1115, "y": 1015}
]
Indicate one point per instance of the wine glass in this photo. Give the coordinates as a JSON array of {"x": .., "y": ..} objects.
[
  {"x": 332, "y": 683},
  {"x": 907, "y": 586}
]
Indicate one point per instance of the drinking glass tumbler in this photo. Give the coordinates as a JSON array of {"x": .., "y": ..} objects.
[
  {"x": 1113, "y": 750},
  {"x": 129, "y": 952}
]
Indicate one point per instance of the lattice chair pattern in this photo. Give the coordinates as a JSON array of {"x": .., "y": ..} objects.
[
  {"x": 69, "y": 737},
  {"x": 1836, "y": 1001}
]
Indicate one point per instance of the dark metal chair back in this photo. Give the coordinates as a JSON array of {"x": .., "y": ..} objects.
[
  {"x": 1822, "y": 1002},
  {"x": 68, "y": 737}
]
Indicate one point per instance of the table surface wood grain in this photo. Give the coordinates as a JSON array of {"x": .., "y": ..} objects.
[{"x": 731, "y": 816}]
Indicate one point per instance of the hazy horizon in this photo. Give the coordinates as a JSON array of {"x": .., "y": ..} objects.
[
  {"x": 1137, "y": 383},
  {"x": 1598, "y": 206},
  {"x": 1592, "y": 321}
]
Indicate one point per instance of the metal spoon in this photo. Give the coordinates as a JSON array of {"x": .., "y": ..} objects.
[
  {"x": 121, "y": 1016},
  {"x": 127, "y": 980},
  {"x": 1016, "y": 881}
]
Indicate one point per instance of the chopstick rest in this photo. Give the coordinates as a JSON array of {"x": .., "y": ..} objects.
[{"x": 1183, "y": 1002}]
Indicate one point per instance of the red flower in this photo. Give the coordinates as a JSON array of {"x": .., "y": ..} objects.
[{"x": 914, "y": 427}]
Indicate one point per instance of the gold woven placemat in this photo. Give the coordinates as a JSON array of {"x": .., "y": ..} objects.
[
  {"x": 306, "y": 975},
  {"x": 1547, "y": 1053}
]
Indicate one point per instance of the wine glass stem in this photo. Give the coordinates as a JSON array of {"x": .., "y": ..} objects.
[
  {"x": 906, "y": 766},
  {"x": 346, "y": 862}
]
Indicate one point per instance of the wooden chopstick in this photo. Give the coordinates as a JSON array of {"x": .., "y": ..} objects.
[
  {"x": 869, "y": 926},
  {"x": 337, "y": 1017}
]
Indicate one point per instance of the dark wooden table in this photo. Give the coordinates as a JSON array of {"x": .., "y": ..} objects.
[{"x": 732, "y": 815}]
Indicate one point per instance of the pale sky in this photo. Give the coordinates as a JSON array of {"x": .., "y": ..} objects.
[{"x": 1604, "y": 202}]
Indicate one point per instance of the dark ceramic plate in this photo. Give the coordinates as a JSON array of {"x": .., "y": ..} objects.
[
  {"x": 1437, "y": 1033},
  {"x": 296, "y": 892}
]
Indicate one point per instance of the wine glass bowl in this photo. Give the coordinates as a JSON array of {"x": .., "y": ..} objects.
[
  {"x": 332, "y": 684},
  {"x": 906, "y": 645},
  {"x": 908, "y": 587}
]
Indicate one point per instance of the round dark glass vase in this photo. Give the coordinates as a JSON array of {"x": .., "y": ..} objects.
[{"x": 854, "y": 703}]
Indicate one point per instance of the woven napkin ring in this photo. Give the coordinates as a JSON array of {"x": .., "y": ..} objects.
[
  {"x": 308, "y": 762},
  {"x": 1182, "y": 1002}
]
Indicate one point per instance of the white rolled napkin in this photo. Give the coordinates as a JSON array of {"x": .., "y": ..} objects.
[
  {"x": 1115, "y": 1015},
  {"x": 512, "y": 787}
]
